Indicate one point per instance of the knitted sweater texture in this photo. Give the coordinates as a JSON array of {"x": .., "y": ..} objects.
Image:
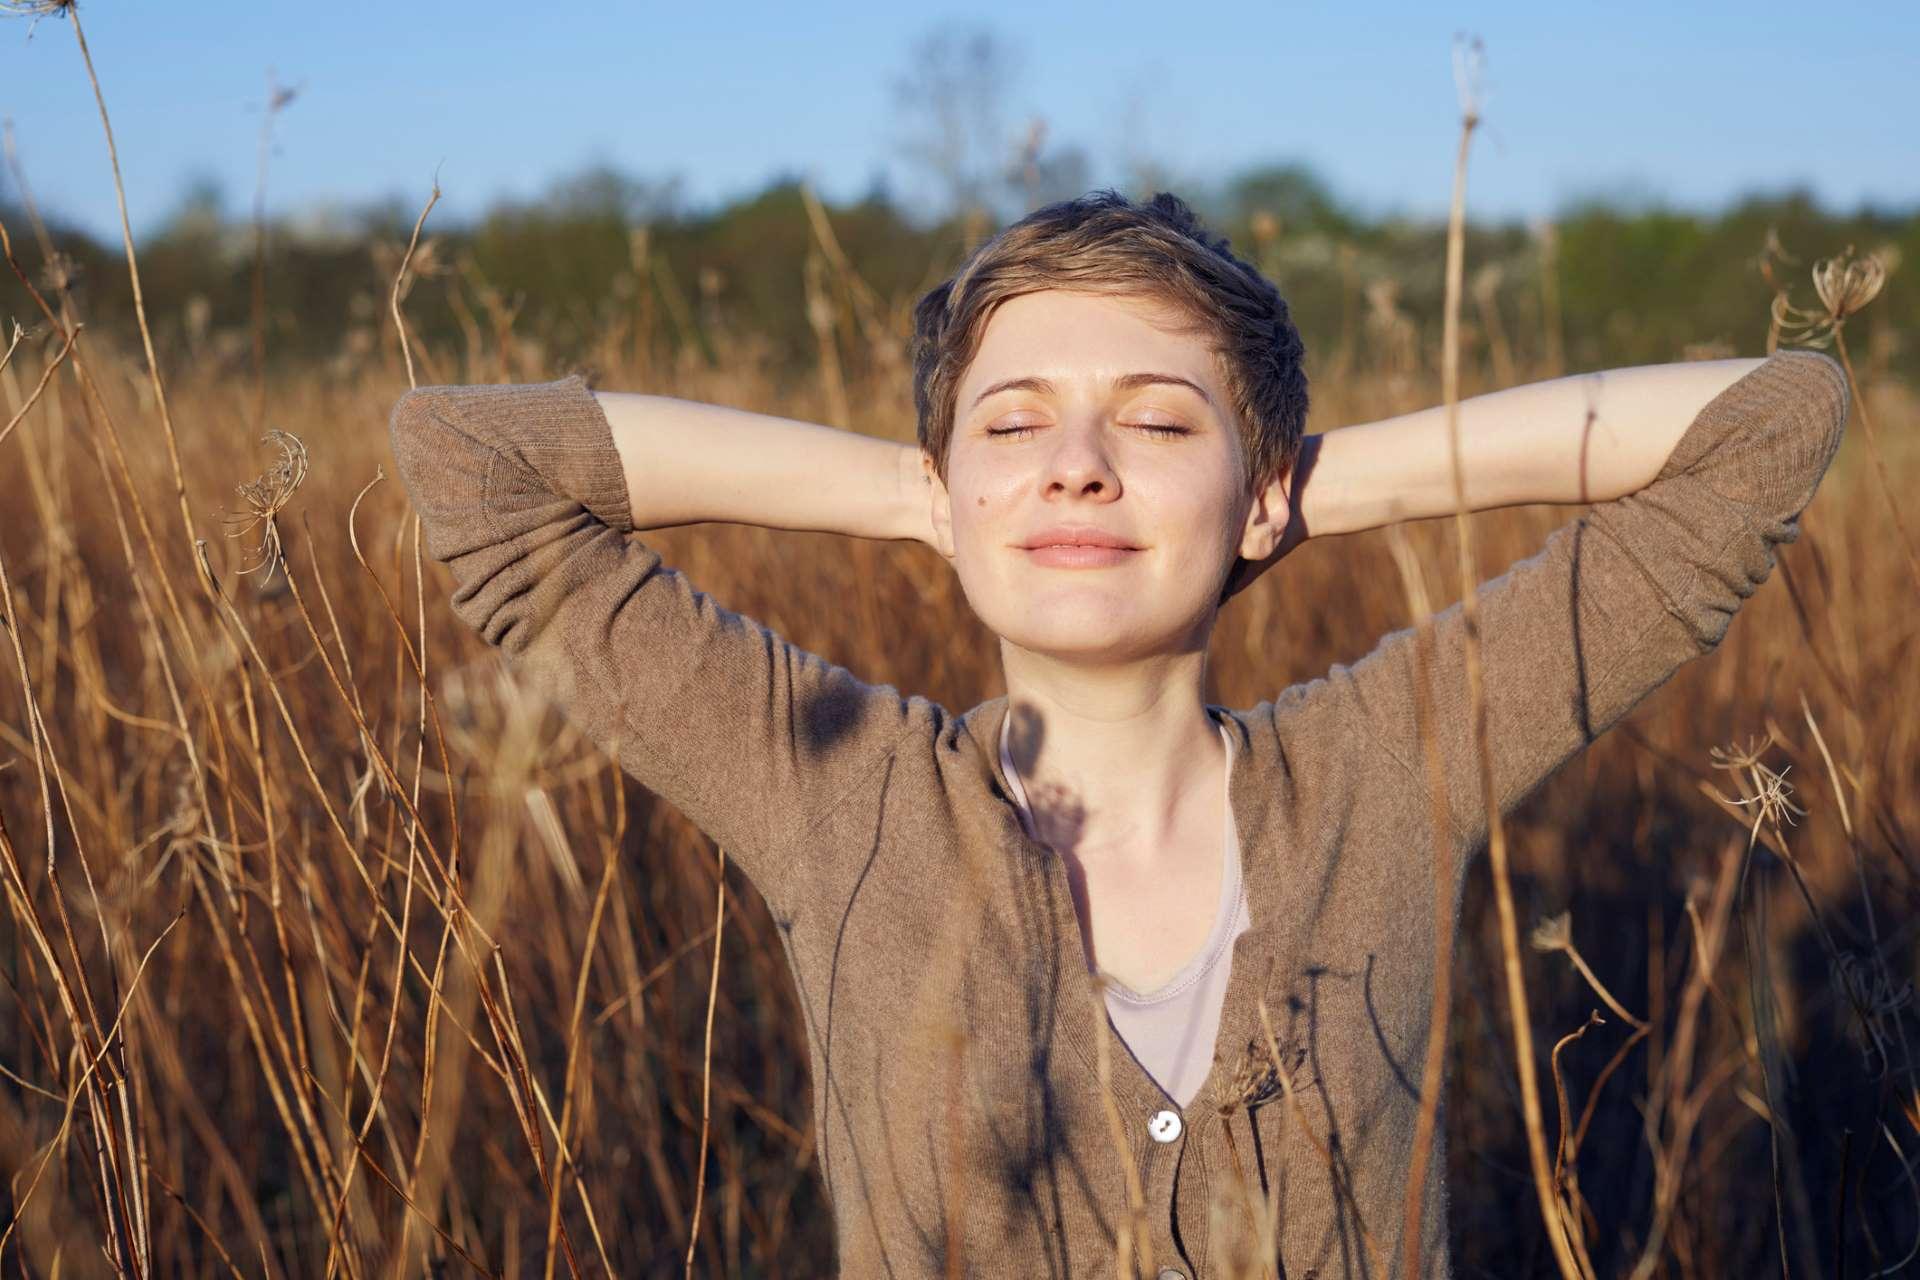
[{"x": 955, "y": 1040}]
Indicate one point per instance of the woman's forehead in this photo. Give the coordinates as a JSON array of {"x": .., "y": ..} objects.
[{"x": 1058, "y": 334}]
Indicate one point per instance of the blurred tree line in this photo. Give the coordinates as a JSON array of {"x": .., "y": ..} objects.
[{"x": 602, "y": 252}]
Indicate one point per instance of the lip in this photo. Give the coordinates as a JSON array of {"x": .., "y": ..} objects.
[
  {"x": 1082, "y": 556},
  {"x": 1077, "y": 535},
  {"x": 1078, "y": 546}
]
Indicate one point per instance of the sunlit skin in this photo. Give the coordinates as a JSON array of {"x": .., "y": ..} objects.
[{"x": 1124, "y": 769}]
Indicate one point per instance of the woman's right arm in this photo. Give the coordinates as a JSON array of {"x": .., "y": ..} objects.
[
  {"x": 523, "y": 491},
  {"x": 687, "y": 462}
]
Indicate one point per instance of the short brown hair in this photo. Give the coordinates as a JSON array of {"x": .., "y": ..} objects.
[{"x": 1104, "y": 243}]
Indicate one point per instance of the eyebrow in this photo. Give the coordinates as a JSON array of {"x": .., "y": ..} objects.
[{"x": 1125, "y": 382}]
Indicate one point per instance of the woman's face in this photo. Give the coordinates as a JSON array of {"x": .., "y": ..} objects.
[{"x": 1083, "y": 415}]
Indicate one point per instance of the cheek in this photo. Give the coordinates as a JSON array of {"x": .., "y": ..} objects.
[
  {"x": 983, "y": 505},
  {"x": 1196, "y": 507}
]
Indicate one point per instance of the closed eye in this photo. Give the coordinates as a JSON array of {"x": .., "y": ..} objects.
[{"x": 1157, "y": 429}]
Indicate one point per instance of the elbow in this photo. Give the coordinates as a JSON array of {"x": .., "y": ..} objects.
[
  {"x": 1837, "y": 392},
  {"x": 1794, "y": 423},
  {"x": 428, "y": 446},
  {"x": 1824, "y": 393},
  {"x": 406, "y": 426},
  {"x": 1825, "y": 402},
  {"x": 1810, "y": 387},
  {"x": 444, "y": 471},
  {"x": 416, "y": 415}
]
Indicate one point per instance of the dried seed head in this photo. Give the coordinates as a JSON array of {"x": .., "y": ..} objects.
[
  {"x": 1251, "y": 1080},
  {"x": 1799, "y": 325},
  {"x": 1877, "y": 998},
  {"x": 1256, "y": 1077},
  {"x": 1469, "y": 76},
  {"x": 1555, "y": 933},
  {"x": 1772, "y": 794},
  {"x": 267, "y": 494},
  {"x": 1791, "y": 324},
  {"x": 1847, "y": 283},
  {"x": 1737, "y": 757}
]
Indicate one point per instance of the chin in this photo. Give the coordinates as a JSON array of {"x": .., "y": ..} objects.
[
  {"x": 1090, "y": 621},
  {"x": 1063, "y": 643}
]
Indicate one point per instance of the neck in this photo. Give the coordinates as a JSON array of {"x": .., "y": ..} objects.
[{"x": 1114, "y": 759}]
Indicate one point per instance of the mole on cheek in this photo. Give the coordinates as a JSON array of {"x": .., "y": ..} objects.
[{"x": 981, "y": 501}]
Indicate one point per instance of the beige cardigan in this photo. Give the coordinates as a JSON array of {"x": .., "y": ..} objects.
[{"x": 954, "y": 1039}]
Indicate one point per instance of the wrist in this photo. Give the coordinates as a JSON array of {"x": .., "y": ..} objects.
[
  {"x": 1373, "y": 474},
  {"x": 910, "y": 512}
]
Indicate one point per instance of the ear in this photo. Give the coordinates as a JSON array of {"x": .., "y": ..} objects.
[
  {"x": 941, "y": 506},
  {"x": 1268, "y": 517}
]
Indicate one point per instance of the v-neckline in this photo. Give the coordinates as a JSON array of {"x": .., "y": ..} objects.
[
  {"x": 1226, "y": 905},
  {"x": 1246, "y": 983}
]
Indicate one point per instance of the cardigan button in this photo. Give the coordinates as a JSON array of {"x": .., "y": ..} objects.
[
  {"x": 1165, "y": 1126},
  {"x": 1171, "y": 1273}
]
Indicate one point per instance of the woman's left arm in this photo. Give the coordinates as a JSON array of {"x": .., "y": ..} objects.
[
  {"x": 1697, "y": 474},
  {"x": 1590, "y": 437}
]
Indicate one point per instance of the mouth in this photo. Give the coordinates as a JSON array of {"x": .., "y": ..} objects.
[
  {"x": 1077, "y": 536},
  {"x": 1082, "y": 555},
  {"x": 1078, "y": 548}
]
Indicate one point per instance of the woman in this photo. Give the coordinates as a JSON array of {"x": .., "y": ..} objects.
[{"x": 1111, "y": 415}]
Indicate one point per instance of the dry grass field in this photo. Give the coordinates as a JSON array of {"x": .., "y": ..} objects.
[
  {"x": 295, "y": 987},
  {"x": 329, "y": 949}
]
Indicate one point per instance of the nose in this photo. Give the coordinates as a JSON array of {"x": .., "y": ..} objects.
[{"x": 1079, "y": 466}]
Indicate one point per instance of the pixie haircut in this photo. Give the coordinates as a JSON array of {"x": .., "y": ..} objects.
[{"x": 1104, "y": 243}]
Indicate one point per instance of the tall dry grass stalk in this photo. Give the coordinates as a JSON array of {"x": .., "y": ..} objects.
[
  {"x": 706, "y": 1070},
  {"x": 1468, "y": 68},
  {"x": 1433, "y": 1062},
  {"x": 278, "y": 98}
]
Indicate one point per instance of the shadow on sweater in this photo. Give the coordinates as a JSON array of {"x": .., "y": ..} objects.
[{"x": 1065, "y": 815}]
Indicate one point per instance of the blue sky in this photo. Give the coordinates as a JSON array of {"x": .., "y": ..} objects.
[{"x": 1690, "y": 103}]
